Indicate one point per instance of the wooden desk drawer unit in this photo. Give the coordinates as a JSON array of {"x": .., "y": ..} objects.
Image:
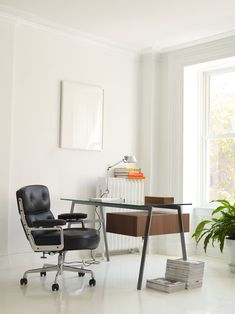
[{"x": 133, "y": 223}]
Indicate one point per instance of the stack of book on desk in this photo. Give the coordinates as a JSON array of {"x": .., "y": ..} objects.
[
  {"x": 166, "y": 285},
  {"x": 107, "y": 199},
  {"x": 190, "y": 272},
  {"x": 129, "y": 173}
]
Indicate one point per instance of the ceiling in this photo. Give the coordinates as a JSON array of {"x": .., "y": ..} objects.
[{"x": 137, "y": 24}]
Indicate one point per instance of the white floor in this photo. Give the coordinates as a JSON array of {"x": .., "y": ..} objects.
[{"x": 115, "y": 291}]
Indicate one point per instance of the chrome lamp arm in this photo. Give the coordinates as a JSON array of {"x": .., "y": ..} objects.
[{"x": 125, "y": 159}]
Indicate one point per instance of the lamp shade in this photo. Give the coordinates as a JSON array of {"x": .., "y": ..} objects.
[{"x": 129, "y": 159}]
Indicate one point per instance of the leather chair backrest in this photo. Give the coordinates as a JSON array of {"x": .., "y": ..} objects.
[{"x": 36, "y": 203}]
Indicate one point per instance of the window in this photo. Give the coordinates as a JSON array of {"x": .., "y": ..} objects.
[
  {"x": 218, "y": 135},
  {"x": 209, "y": 132}
]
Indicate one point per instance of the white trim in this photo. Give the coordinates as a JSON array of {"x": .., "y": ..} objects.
[
  {"x": 223, "y": 136},
  {"x": 204, "y": 170},
  {"x": 24, "y": 18},
  {"x": 196, "y": 42}
]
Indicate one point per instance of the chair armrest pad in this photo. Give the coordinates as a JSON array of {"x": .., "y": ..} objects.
[
  {"x": 49, "y": 223},
  {"x": 72, "y": 216}
]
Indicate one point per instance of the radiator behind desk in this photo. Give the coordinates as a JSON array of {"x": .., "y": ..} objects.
[{"x": 132, "y": 191}]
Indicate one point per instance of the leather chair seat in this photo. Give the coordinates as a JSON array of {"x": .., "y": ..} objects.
[{"x": 74, "y": 238}]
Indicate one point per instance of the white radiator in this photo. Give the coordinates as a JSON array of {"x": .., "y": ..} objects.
[{"x": 132, "y": 191}]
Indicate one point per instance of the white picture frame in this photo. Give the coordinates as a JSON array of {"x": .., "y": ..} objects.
[{"x": 81, "y": 116}]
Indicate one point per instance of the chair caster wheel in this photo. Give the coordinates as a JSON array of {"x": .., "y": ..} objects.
[
  {"x": 92, "y": 282},
  {"x": 23, "y": 281},
  {"x": 81, "y": 274},
  {"x": 43, "y": 274},
  {"x": 55, "y": 287}
]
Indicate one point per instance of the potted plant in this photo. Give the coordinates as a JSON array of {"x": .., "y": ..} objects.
[{"x": 218, "y": 228}]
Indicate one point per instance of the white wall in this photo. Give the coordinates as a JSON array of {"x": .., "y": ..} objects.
[
  {"x": 40, "y": 58},
  {"x": 148, "y": 116},
  {"x": 6, "y": 64}
]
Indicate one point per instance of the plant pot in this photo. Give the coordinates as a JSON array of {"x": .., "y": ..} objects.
[{"x": 231, "y": 250}]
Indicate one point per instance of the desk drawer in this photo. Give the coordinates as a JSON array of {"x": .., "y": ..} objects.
[{"x": 133, "y": 223}]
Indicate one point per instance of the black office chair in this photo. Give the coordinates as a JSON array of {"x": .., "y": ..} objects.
[{"x": 45, "y": 233}]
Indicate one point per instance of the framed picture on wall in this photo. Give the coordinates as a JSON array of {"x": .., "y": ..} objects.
[{"x": 81, "y": 116}]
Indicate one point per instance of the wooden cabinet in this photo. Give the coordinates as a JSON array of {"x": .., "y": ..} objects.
[{"x": 133, "y": 223}]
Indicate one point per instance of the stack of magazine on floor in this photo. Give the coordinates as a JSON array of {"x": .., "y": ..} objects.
[
  {"x": 165, "y": 285},
  {"x": 190, "y": 272}
]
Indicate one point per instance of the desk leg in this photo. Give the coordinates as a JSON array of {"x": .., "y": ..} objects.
[
  {"x": 71, "y": 211},
  {"x": 181, "y": 225},
  {"x": 143, "y": 256},
  {"x": 104, "y": 233},
  {"x": 72, "y": 207}
]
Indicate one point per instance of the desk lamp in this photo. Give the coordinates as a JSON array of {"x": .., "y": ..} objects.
[{"x": 126, "y": 160}]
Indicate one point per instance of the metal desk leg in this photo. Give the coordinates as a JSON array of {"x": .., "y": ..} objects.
[
  {"x": 181, "y": 225},
  {"x": 143, "y": 256},
  {"x": 71, "y": 211},
  {"x": 72, "y": 207},
  {"x": 104, "y": 233}
]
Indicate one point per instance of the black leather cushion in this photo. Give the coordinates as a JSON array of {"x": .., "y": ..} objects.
[
  {"x": 49, "y": 223},
  {"x": 74, "y": 238},
  {"x": 72, "y": 216},
  {"x": 36, "y": 202},
  {"x": 35, "y": 198},
  {"x": 31, "y": 219}
]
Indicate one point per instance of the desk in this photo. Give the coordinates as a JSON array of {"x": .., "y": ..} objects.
[{"x": 149, "y": 209}]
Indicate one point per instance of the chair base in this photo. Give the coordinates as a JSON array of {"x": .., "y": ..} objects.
[{"x": 59, "y": 268}]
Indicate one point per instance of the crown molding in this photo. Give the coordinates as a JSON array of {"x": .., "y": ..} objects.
[
  {"x": 25, "y": 18},
  {"x": 209, "y": 40},
  {"x": 205, "y": 40}
]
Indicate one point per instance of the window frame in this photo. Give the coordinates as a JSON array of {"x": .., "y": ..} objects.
[{"x": 205, "y": 137}]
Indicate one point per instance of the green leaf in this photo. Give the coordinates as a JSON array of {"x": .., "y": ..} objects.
[
  {"x": 207, "y": 240},
  {"x": 198, "y": 239},
  {"x": 225, "y": 203},
  {"x": 200, "y": 227},
  {"x": 218, "y": 209},
  {"x": 215, "y": 219},
  {"x": 221, "y": 240},
  {"x": 228, "y": 215}
]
